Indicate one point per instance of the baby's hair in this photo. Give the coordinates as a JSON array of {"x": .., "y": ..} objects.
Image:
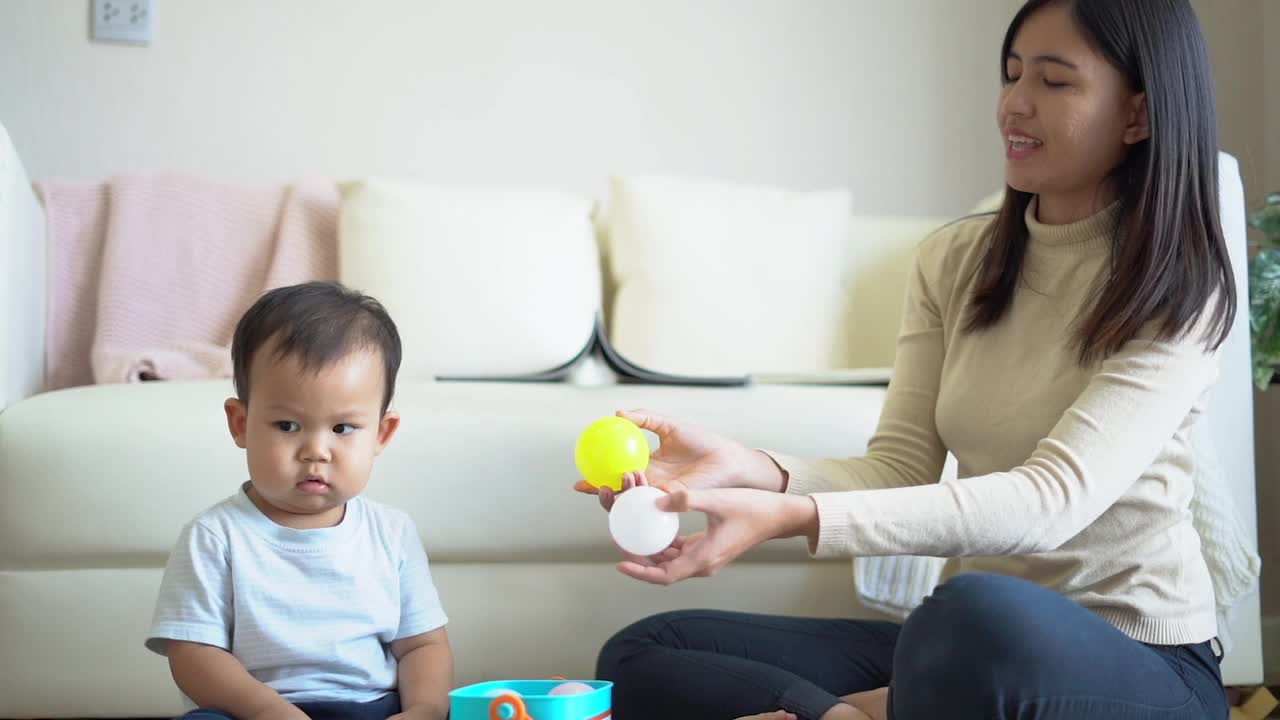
[{"x": 319, "y": 323}]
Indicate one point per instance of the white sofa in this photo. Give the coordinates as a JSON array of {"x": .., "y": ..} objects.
[{"x": 96, "y": 481}]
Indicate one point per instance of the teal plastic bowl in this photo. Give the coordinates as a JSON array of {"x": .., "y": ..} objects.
[{"x": 483, "y": 701}]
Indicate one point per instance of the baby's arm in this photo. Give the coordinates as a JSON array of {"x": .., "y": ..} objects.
[
  {"x": 425, "y": 673},
  {"x": 214, "y": 679}
]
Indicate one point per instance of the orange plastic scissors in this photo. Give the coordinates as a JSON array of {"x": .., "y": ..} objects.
[{"x": 508, "y": 706}]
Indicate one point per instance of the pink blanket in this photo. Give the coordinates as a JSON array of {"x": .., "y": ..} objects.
[{"x": 150, "y": 273}]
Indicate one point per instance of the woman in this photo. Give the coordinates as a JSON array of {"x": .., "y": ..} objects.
[{"x": 1060, "y": 349}]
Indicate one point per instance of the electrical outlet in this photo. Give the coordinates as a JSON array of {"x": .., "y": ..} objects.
[{"x": 123, "y": 21}]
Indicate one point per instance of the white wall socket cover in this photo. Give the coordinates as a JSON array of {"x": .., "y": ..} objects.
[{"x": 123, "y": 21}]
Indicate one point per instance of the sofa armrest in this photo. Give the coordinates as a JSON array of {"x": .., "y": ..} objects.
[
  {"x": 1230, "y": 422},
  {"x": 1230, "y": 412},
  {"x": 23, "y": 280}
]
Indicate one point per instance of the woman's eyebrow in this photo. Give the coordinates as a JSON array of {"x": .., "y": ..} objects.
[{"x": 1050, "y": 58}]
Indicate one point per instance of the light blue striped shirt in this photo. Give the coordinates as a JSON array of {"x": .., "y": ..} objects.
[{"x": 310, "y": 613}]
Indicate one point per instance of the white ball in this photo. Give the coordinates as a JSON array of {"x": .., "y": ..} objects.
[
  {"x": 638, "y": 526},
  {"x": 501, "y": 691},
  {"x": 571, "y": 688}
]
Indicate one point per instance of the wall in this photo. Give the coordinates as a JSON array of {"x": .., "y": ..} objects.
[
  {"x": 894, "y": 100},
  {"x": 1271, "y": 51},
  {"x": 1233, "y": 31},
  {"x": 561, "y": 92}
]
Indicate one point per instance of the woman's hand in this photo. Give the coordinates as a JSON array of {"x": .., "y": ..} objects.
[
  {"x": 738, "y": 519},
  {"x": 689, "y": 457}
]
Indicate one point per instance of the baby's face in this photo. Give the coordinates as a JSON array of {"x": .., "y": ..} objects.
[{"x": 311, "y": 436}]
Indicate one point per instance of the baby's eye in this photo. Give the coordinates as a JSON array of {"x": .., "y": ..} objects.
[
  {"x": 1052, "y": 84},
  {"x": 344, "y": 428},
  {"x": 287, "y": 426}
]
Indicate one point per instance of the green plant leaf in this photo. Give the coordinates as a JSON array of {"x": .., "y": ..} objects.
[
  {"x": 1262, "y": 377},
  {"x": 1264, "y": 315},
  {"x": 1267, "y": 219}
]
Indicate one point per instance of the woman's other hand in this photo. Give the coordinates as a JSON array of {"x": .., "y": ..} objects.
[{"x": 738, "y": 519}]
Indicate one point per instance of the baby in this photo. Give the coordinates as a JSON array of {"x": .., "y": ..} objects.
[{"x": 296, "y": 597}]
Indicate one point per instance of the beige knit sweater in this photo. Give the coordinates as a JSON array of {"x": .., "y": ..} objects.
[{"x": 1077, "y": 478}]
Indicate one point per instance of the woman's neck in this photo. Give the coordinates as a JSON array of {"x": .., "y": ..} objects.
[{"x": 1066, "y": 208}]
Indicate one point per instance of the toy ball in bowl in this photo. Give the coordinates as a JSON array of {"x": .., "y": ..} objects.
[
  {"x": 533, "y": 700},
  {"x": 609, "y": 448}
]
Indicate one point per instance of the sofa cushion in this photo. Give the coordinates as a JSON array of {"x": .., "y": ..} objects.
[
  {"x": 716, "y": 278},
  {"x": 485, "y": 469},
  {"x": 480, "y": 281}
]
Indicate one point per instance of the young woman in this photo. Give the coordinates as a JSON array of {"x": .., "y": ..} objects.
[{"x": 1061, "y": 350}]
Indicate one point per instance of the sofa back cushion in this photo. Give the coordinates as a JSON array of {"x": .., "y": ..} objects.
[
  {"x": 708, "y": 278},
  {"x": 714, "y": 278},
  {"x": 480, "y": 280}
]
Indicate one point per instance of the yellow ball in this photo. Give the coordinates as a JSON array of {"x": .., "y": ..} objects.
[{"x": 607, "y": 449}]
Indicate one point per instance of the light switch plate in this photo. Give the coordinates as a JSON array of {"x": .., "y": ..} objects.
[{"x": 123, "y": 21}]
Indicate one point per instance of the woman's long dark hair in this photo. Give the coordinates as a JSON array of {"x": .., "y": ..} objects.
[{"x": 1169, "y": 260}]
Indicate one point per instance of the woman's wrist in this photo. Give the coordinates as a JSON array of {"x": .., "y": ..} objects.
[
  {"x": 800, "y": 519},
  {"x": 762, "y": 472}
]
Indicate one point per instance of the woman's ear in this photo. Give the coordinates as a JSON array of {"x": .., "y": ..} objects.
[{"x": 1139, "y": 128}]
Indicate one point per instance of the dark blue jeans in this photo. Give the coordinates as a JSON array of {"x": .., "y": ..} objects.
[
  {"x": 981, "y": 647},
  {"x": 380, "y": 709}
]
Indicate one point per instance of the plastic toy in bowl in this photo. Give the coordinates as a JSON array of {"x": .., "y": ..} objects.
[
  {"x": 571, "y": 688},
  {"x": 533, "y": 700}
]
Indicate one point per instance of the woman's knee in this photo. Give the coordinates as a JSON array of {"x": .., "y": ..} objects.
[
  {"x": 978, "y": 611},
  {"x": 964, "y": 636},
  {"x": 633, "y": 639}
]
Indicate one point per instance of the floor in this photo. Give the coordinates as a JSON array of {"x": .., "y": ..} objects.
[{"x": 1275, "y": 690}]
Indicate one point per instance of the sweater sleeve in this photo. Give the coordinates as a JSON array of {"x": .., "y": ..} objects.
[
  {"x": 1131, "y": 408},
  {"x": 905, "y": 449}
]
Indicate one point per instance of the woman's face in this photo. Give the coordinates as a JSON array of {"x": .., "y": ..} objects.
[{"x": 1066, "y": 115}]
